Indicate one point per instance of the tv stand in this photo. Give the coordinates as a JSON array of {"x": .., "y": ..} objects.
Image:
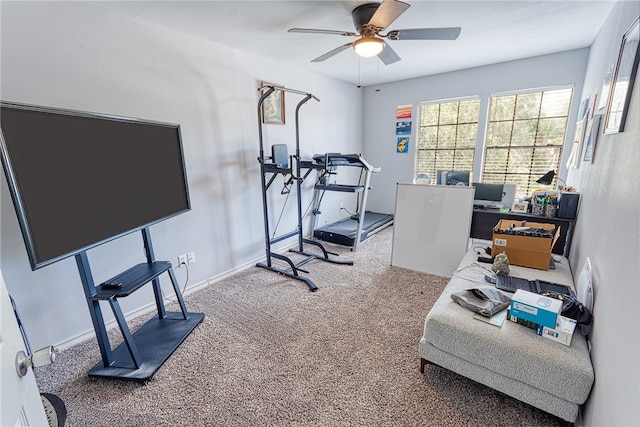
[{"x": 143, "y": 352}]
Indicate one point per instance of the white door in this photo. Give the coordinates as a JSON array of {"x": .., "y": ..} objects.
[{"x": 20, "y": 403}]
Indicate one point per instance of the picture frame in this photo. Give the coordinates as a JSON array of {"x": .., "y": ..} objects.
[
  {"x": 520, "y": 207},
  {"x": 623, "y": 80},
  {"x": 606, "y": 89},
  {"x": 591, "y": 138},
  {"x": 576, "y": 146},
  {"x": 273, "y": 107}
]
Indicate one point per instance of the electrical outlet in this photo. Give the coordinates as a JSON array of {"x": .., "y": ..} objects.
[
  {"x": 191, "y": 258},
  {"x": 182, "y": 260}
]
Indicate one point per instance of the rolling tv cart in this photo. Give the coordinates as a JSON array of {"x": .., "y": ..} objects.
[
  {"x": 279, "y": 163},
  {"x": 352, "y": 230},
  {"x": 143, "y": 352}
]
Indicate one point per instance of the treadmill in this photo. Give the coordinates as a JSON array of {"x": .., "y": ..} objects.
[{"x": 352, "y": 230}]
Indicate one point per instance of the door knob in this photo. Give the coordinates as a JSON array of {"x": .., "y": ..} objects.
[{"x": 42, "y": 357}]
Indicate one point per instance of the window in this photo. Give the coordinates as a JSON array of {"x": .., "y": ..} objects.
[
  {"x": 447, "y": 136},
  {"x": 525, "y": 136}
]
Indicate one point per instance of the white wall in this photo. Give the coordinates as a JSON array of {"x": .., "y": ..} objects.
[
  {"x": 380, "y": 102},
  {"x": 608, "y": 226},
  {"x": 608, "y": 232},
  {"x": 78, "y": 56}
]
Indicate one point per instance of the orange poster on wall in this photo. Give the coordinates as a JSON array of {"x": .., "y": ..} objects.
[{"x": 404, "y": 111}]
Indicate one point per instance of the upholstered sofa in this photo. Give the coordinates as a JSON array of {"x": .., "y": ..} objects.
[{"x": 512, "y": 358}]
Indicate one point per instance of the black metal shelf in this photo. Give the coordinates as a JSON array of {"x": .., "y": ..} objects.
[
  {"x": 157, "y": 340},
  {"x": 132, "y": 280}
]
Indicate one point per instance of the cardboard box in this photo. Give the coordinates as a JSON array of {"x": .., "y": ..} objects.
[
  {"x": 535, "y": 308},
  {"x": 528, "y": 248},
  {"x": 562, "y": 333}
]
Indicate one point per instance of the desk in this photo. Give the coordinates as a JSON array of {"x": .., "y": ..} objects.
[{"x": 483, "y": 221}]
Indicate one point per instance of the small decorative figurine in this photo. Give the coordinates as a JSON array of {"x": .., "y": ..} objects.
[{"x": 501, "y": 264}]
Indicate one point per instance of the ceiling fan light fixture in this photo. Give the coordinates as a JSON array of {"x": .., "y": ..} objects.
[{"x": 368, "y": 46}]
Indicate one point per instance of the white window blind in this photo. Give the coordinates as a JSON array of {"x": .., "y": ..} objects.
[
  {"x": 447, "y": 136},
  {"x": 525, "y": 136}
]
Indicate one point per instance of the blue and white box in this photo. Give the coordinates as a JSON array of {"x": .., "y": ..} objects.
[
  {"x": 536, "y": 308},
  {"x": 562, "y": 333}
]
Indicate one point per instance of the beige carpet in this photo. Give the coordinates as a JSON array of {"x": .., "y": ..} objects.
[{"x": 269, "y": 352}]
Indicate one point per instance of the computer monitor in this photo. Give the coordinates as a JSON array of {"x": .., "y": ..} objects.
[
  {"x": 508, "y": 195},
  {"x": 453, "y": 177},
  {"x": 487, "y": 194}
]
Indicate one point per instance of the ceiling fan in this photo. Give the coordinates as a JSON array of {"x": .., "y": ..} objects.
[{"x": 370, "y": 19}]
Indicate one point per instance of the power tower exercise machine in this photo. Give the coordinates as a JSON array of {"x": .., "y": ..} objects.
[{"x": 279, "y": 163}]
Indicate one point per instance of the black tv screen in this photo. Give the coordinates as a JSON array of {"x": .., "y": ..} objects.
[{"x": 80, "y": 179}]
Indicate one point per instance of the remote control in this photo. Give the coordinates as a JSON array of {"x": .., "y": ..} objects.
[{"x": 111, "y": 284}]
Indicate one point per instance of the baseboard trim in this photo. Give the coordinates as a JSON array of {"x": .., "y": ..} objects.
[{"x": 150, "y": 307}]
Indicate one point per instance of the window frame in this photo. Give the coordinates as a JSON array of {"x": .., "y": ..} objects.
[
  {"x": 473, "y": 148},
  {"x": 483, "y": 128},
  {"x": 525, "y": 190}
]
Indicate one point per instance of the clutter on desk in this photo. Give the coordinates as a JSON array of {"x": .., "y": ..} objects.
[
  {"x": 520, "y": 207},
  {"x": 545, "y": 203},
  {"x": 552, "y": 204}
]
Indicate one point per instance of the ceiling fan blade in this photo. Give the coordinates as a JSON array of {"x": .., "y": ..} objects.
[
  {"x": 314, "y": 31},
  {"x": 387, "y": 12},
  {"x": 446, "y": 33},
  {"x": 332, "y": 52},
  {"x": 388, "y": 55}
]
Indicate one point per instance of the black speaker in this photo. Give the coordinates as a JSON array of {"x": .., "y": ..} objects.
[{"x": 568, "y": 208}]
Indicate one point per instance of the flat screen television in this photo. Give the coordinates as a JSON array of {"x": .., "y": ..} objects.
[
  {"x": 487, "y": 194},
  {"x": 80, "y": 179}
]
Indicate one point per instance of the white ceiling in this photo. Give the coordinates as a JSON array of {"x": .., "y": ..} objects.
[{"x": 492, "y": 31}]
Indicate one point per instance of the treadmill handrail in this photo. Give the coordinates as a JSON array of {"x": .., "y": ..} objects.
[{"x": 338, "y": 159}]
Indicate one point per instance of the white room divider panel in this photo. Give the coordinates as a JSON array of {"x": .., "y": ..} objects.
[{"x": 431, "y": 227}]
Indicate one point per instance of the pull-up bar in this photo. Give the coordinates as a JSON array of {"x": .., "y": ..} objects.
[
  {"x": 294, "y": 268},
  {"x": 273, "y": 88}
]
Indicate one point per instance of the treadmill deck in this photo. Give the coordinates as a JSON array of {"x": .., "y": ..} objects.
[{"x": 343, "y": 232}]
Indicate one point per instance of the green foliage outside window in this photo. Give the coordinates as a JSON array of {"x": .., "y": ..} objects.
[
  {"x": 524, "y": 138},
  {"x": 447, "y": 136}
]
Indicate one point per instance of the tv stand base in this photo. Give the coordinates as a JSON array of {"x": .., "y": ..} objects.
[{"x": 156, "y": 340}]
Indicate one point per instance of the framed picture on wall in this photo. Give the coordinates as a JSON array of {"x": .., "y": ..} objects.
[
  {"x": 273, "y": 106},
  {"x": 591, "y": 138},
  {"x": 574, "y": 157},
  {"x": 623, "y": 80}
]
